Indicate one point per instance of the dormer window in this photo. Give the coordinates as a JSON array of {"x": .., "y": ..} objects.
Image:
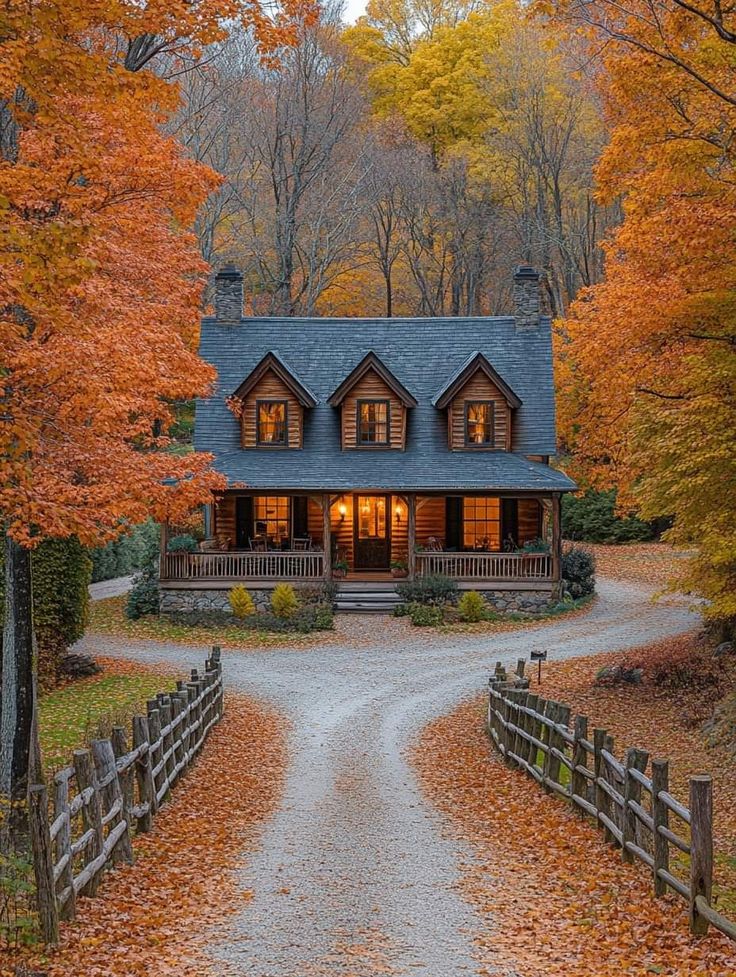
[
  {"x": 374, "y": 405},
  {"x": 272, "y": 429},
  {"x": 479, "y": 405},
  {"x": 373, "y": 422},
  {"x": 479, "y": 423}
]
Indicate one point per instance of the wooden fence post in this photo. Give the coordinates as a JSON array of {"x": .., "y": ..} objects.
[
  {"x": 578, "y": 781},
  {"x": 660, "y": 818},
  {"x": 520, "y": 665},
  {"x": 43, "y": 863},
  {"x": 91, "y": 813},
  {"x": 701, "y": 849},
  {"x": 68, "y": 908},
  {"x": 548, "y": 737},
  {"x": 125, "y": 779},
  {"x": 539, "y": 732},
  {"x": 601, "y": 798},
  {"x": 532, "y": 703},
  {"x": 520, "y": 742},
  {"x": 635, "y": 760},
  {"x": 144, "y": 779},
  {"x": 155, "y": 749},
  {"x": 111, "y": 796},
  {"x": 609, "y": 807}
]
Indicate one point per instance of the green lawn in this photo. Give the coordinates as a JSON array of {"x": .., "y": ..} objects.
[{"x": 71, "y": 716}]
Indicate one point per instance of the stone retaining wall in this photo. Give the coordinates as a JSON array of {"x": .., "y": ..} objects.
[{"x": 519, "y": 601}]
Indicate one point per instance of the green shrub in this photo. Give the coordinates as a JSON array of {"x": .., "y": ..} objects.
[
  {"x": 324, "y": 617},
  {"x": 284, "y": 602},
  {"x": 401, "y": 610},
  {"x": 428, "y": 590},
  {"x": 182, "y": 544},
  {"x": 578, "y": 571},
  {"x": 591, "y": 517},
  {"x": 472, "y": 607},
  {"x": 143, "y": 598},
  {"x": 241, "y": 602},
  {"x": 136, "y": 549},
  {"x": 425, "y": 615}
]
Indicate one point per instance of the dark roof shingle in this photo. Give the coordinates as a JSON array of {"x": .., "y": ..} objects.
[{"x": 424, "y": 355}]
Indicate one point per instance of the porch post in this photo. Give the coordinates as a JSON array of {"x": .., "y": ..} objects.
[
  {"x": 327, "y": 537},
  {"x": 411, "y": 529},
  {"x": 163, "y": 570},
  {"x": 557, "y": 542}
]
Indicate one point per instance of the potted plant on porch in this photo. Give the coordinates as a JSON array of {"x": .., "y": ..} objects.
[
  {"x": 399, "y": 568},
  {"x": 340, "y": 569}
]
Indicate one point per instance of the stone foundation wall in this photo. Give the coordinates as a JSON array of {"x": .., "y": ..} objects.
[
  {"x": 187, "y": 601},
  {"x": 519, "y": 601}
]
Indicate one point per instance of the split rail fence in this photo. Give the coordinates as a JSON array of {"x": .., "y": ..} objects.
[
  {"x": 636, "y": 812},
  {"x": 112, "y": 791}
]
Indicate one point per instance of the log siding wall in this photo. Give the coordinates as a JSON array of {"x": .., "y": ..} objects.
[
  {"x": 372, "y": 387},
  {"x": 270, "y": 387},
  {"x": 479, "y": 387}
]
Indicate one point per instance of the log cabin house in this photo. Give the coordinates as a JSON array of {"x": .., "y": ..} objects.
[{"x": 362, "y": 443}]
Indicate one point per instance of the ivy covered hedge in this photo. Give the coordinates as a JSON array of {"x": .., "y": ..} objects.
[{"x": 62, "y": 570}]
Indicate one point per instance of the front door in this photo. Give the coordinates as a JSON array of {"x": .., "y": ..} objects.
[{"x": 372, "y": 532}]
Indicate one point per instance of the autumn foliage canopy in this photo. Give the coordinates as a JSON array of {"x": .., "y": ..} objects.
[{"x": 100, "y": 277}]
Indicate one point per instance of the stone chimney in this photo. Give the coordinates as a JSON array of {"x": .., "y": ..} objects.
[
  {"x": 229, "y": 294},
  {"x": 526, "y": 298}
]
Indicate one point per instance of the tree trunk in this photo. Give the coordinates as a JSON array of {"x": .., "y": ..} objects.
[{"x": 17, "y": 694}]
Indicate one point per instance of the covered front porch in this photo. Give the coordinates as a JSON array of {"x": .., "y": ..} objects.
[{"x": 261, "y": 538}]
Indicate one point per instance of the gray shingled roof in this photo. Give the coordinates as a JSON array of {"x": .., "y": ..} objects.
[{"x": 423, "y": 354}]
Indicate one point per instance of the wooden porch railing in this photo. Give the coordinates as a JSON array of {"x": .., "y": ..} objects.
[
  {"x": 279, "y": 564},
  {"x": 486, "y": 566}
]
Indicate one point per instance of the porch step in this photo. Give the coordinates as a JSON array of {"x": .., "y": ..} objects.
[{"x": 366, "y": 598}]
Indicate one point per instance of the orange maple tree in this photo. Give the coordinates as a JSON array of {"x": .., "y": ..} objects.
[
  {"x": 100, "y": 282},
  {"x": 647, "y": 358}
]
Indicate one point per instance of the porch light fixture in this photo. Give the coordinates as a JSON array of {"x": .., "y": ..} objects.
[
  {"x": 342, "y": 510},
  {"x": 398, "y": 511}
]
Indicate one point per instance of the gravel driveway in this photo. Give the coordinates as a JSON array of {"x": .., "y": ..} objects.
[{"x": 353, "y": 875}]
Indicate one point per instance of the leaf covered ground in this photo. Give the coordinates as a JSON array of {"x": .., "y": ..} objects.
[
  {"x": 157, "y": 916},
  {"x": 652, "y": 563},
  {"x": 71, "y": 715},
  {"x": 557, "y": 899}
]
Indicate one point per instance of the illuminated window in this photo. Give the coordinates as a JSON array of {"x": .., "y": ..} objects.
[
  {"x": 271, "y": 422},
  {"x": 271, "y": 516},
  {"x": 373, "y": 418},
  {"x": 372, "y": 517},
  {"x": 482, "y": 524},
  {"x": 479, "y": 422}
]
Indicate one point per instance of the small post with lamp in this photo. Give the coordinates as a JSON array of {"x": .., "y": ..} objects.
[
  {"x": 539, "y": 657},
  {"x": 411, "y": 534}
]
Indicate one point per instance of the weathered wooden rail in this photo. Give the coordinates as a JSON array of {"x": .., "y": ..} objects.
[
  {"x": 114, "y": 790},
  {"x": 635, "y": 811},
  {"x": 485, "y": 566},
  {"x": 236, "y": 565}
]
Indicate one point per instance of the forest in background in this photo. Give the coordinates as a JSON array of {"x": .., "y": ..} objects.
[{"x": 403, "y": 165}]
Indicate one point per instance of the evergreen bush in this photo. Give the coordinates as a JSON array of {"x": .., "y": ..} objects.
[
  {"x": 425, "y": 615},
  {"x": 578, "y": 571},
  {"x": 143, "y": 598},
  {"x": 472, "y": 607},
  {"x": 591, "y": 517},
  {"x": 284, "y": 602},
  {"x": 436, "y": 590},
  {"x": 241, "y": 602},
  {"x": 185, "y": 543}
]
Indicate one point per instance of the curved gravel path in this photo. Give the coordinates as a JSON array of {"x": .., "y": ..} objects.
[{"x": 353, "y": 875}]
